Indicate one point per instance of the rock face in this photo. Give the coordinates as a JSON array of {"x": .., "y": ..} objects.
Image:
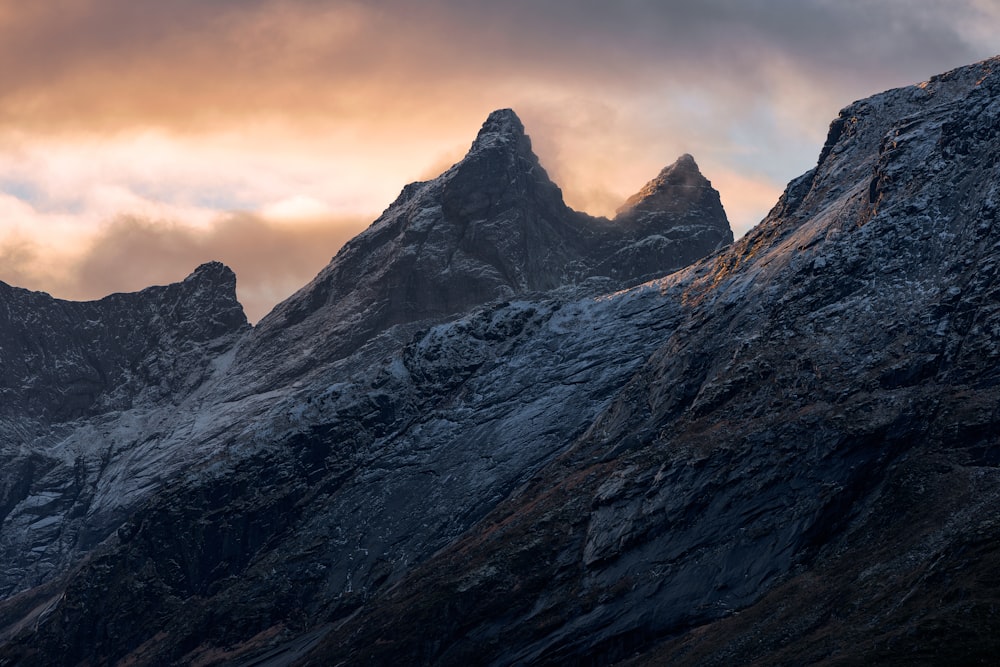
[
  {"x": 64, "y": 359},
  {"x": 84, "y": 382},
  {"x": 674, "y": 219},
  {"x": 786, "y": 453}
]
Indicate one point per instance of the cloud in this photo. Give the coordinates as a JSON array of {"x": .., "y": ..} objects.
[
  {"x": 116, "y": 115},
  {"x": 271, "y": 258},
  {"x": 190, "y": 64},
  {"x": 18, "y": 257}
]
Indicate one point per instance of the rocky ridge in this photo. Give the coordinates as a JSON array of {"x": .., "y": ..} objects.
[
  {"x": 64, "y": 359},
  {"x": 82, "y": 383},
  {"x": 785, "y": 453},
  {"x": 493, "y": 226}
]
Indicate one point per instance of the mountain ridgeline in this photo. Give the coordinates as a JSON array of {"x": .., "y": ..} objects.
[
  {"x": 491, "y": 227},
  {"x": 498, "y": 431}
]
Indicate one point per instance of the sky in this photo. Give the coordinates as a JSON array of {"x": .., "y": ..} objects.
[{"x": 140, "y": 138}]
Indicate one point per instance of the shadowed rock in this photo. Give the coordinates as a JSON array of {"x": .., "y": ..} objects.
[{"x": 66, "y": 359}]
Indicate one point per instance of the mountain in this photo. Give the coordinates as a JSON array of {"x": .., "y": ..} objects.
[
  {"x": 193, "y": 410},
  {"x": 804, "y": 470},
  {"x": 787, "y": 452},
  {"x": 63, "y": 359},
  {"x": 493, "y": 226}
]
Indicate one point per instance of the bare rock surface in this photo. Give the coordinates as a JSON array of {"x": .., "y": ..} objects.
[
  {"x": 90, "y": 390},
  {"x": 67, "y": 359}
]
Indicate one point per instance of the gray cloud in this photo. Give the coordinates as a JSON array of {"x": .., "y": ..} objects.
[
  {"x": 610, "y": 92},
  {"x": 271, "y": 260},
  {"x": 187, "y": 59},
  {"x": 19, "y": 259}
]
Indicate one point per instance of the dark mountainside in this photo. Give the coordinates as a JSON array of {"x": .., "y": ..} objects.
[
  {"x": 83, "y": 381},
  {"x": 66, "y": 359},
  {"x": 785, "y": 453}
]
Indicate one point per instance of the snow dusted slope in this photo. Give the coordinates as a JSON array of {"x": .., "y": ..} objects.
[
  {"x": 90, "y": 389},
  {"x": 363, "y": 480}
]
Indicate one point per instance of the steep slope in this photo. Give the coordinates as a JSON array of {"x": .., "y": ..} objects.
[
  {"x": 69, "y": 359},
  {"x": 491, "y": 227},
  {"x": 360, "y": 481},
  {"x": 86, "y": 386},
  {"x": 823, "y": 423}
]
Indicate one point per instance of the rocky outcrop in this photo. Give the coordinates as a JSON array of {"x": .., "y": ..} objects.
[
  {"x": 674, "y": 220},
  {"x": 88, "y": 387},
  {"x": 63, "y": 360}
]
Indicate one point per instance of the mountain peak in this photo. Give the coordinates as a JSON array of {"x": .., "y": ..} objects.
[
  {"x": 214, "y": 272},
  {"x": 678, "y": 192},
  {"x": 502, "y": 128},
  {"x": 684, "y": 165},
  {"x": 503, "y": 120},
  {"x": 492, "y": 226},
  {"x": 683, "y": 172},
  {"x": 210, "y": 299}
]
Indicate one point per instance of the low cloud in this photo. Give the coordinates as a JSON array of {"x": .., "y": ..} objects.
[
  {"x": 271, "y": 259},
  {"x": 19, "y": 259}
]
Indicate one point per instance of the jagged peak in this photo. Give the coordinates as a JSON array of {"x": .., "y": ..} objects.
[
  {"x": 213, "y": 272},
  {"x": 502, "y": 128},
  {"x": 684, "y": 172},
  {"x": 503, "y": 120}
]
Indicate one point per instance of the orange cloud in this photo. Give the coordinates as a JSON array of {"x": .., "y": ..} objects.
[
  {"x": 271, "y": 259},
  {"x": 188, "y": 110}
]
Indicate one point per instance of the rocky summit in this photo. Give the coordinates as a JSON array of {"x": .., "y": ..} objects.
[
  {"x": 496, "y": 431},
  {"x": 492, "y": 227}
]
